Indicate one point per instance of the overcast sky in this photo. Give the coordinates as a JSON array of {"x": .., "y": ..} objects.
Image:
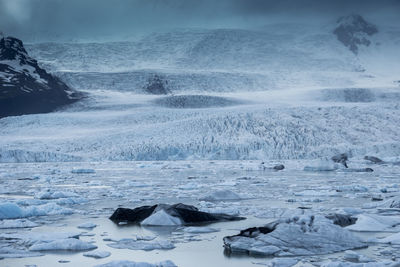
[{"x": 39, "y": 19}]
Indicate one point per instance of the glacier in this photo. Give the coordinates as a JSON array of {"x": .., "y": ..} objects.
[{"x": 243, "y": 98}]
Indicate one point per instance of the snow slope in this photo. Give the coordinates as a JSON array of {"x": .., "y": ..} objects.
[{"x": 274, "y": 57}]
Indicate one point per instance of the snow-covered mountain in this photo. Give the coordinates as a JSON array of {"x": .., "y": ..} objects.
[
  {"x": 24, "y": 86},
  {"x": 277, "y": 56}
]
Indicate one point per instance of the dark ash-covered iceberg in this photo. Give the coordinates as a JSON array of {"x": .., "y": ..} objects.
[
  {"x": 299, "y": 235},
  {"x": 168, "y": 215}
]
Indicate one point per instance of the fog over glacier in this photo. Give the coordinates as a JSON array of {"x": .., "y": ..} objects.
[
  {"x": 38, "y": 20},
  {"x": 200, "y": 133}
]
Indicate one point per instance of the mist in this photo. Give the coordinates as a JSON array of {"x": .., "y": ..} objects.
[{"x": 38, "y": 20}]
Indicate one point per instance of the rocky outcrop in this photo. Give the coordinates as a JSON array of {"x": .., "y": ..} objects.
[
  {"x": 25, "y": 87},
  {"x": 157, "y": 86},
  {"x": 354, "y": 31}
]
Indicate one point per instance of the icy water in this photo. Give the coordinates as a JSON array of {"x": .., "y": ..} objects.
[{"x": 99, "y": 188}]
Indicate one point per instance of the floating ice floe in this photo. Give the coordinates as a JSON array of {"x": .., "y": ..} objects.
[
  {"x": 68, "y": 244},
  {"x": 83, "y": 171},
  {"x": 36, "y": 241},
  {"x": 87, "y": 225},
  {"x": 392, "y": 239},
  {"x": 31, "y": 238},
  {"x": 200, "y": 230},
  {"x": 17, "y": 253},
  {"x": 71, "y": 201},
  {"x": 353, "y": 256},
  {"x": 13, "y": 211},
  {"x": 392, "y": 203},
  {"x": 220, "y": 207},
  {"x": 374, "y": 223},
  {"x": 137, "y": 264},
  {"x": 353, "y": 188},
  {"x": 134, "y": 244},
  {"x": 17, "y": 223},
  {"x": 317, "y": 193},
  {"x": 221, "y": 195},
  {"x": 386, "y": 263},
  {"x": 190, "y": 186},
  {"x": 279, "y": 262},
  {"x": 51, "y": 194},
  {"x": 322, "y": 165},
  {"x": 299, "y": 235},
  {"x": 97, "y": 254},
  {"x": 145, "y": 237},
  {"x": 168, "y": 215}
]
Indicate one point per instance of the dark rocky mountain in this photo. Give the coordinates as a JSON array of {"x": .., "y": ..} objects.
[
  {"x": 156, "y": 85},
  {"x": 26, "y": 88},
  {"x": 353, "y": 31}
]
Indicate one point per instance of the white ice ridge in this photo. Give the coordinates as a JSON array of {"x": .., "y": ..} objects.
[{"x": 161, "y": 218}]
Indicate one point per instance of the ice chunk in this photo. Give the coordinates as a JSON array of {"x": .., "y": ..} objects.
[
  {"x": 87, "y": 225},
  {"x": 374, "y": 223},
  {"x": 137, "y": 264},
  {"x": 161, "y": 218},
  {"x": 97, "y": 254},
  {"x": 353, "y": 188},
  {"x": 133, "y": 244},
  {"x": 69, "y": 244},
  {"x": 50, "y": 194},
  {"x": 17, "y": 253},
  {"x": 221, "y": 195},
  {"x": 18, "y": 223},
  {"x": 354, "y": 264},
  {"x": 31, "y": 238},
  {"x": 392, "y": 203},
  {"x": 11, "y": 211},
  {"x": 392, "y": 239},
  {"x": 47, "y": 209},
  {"x": 322, "y": 165},
  {"x": 200, "y": 230},
  {"x": 299, "y": 235},
  {"x": 279, "y": 262},
  {"x": 83, "y": 171}
]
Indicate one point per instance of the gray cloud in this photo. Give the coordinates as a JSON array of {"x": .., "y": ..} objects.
[{"x": 38, "y": 19}]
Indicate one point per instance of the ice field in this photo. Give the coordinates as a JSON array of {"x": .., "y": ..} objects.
[{"x": 238, "y": 102}]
